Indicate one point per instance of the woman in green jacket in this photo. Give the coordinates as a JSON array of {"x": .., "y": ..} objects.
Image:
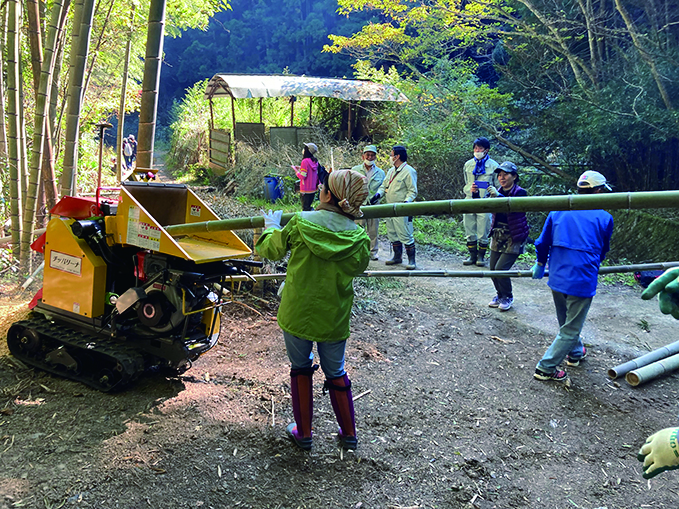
[{"x": 327, "y": 250}]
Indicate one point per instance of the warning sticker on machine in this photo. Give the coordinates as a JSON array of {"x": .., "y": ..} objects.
[
  {"x": 141, "y": 234},
  {"x": 66, "y": 263},
  {"x": 195, "y": 210}
]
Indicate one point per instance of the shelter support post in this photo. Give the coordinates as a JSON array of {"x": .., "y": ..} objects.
[
  {"x": 349, "y": 123},
  {"x": 260, "y": 110},
  {"x": 311, "y": 101},
  {"x": 292, "y": 110},
  {"x": 212, "y": 115}
]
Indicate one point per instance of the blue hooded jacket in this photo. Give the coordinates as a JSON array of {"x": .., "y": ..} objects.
[{"x": 575, "y": 242}]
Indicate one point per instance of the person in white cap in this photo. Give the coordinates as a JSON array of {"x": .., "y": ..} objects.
[
  {"x": 308, "y": 175},
  {"x": 575, "y": 242},
  {"x": 375, "y": 177}
]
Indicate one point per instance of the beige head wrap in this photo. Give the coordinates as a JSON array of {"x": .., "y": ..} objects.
[{"x": 350, "y": 188}]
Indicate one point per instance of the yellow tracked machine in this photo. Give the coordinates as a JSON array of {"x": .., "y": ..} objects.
[{"x": 120, "y": 295}]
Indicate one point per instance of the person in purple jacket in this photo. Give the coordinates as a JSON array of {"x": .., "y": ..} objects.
[
  {"x": 575, "y": 242},
  {"x": 509, "y": 232}
]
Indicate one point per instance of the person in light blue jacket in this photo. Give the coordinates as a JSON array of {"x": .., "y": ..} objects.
[{"x": 575, "y": 242}]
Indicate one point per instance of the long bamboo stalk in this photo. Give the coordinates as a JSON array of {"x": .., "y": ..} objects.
[
  {"x": 610, "y": 201},
  {"x": 614, "y": 269}
]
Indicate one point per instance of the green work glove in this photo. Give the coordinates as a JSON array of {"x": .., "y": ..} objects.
[
  {"x": 667, "y": 288},
  {"x": 660, "y": 452}
]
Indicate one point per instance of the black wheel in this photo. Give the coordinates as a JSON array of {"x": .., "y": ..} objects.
[{"x": 22, "y": 340}]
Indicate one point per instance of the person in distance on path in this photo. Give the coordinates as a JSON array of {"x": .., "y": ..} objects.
[
  {"x": 509, "y": 233},
  {"x": 575, "y": 242},
  {"x": 480, "y": 181},
  {"x": 375, "y": 178},
  {"x": 399, "y": 186}
]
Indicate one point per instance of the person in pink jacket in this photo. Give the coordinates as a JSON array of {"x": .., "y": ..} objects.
[{"x": 308, "y": 175}]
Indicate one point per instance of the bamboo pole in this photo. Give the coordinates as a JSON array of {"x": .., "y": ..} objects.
[
  {"x": 652, "y": 371},
  {"x": 609, "y": 201},
  {"x": 644, "y": 360},
  {"x": 614, "y": 269}
]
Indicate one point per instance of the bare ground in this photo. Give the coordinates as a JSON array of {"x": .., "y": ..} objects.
[{"x": 450, "y": 416}]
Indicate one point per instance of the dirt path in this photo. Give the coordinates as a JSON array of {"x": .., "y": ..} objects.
[{"x": 449, "y": 416}]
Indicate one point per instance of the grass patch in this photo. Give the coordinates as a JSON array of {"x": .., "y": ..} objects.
[{"x": 446, "y": 233}]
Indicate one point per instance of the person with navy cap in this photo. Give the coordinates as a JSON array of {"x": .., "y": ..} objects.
[{"x": 509, "y": 232}]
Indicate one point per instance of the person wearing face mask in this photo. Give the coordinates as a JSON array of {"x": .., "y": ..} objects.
[
  {"x": 375, "y": 178},
  {"x": 399, "y": 186},
  {"x": 480, "y": 181}
]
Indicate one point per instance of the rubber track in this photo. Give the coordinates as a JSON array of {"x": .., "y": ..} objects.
[{"x": 114, "y": 353}]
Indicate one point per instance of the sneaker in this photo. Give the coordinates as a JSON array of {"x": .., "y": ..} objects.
[
  {"x": 373, "y": 257},
  {"x": 559, "y": 375},
  {"x": 301, "y": 442},
  {"x": 506, "y": 303},
  {"x": 575, "y": 361},
  {"x": 495, "y": 302}
]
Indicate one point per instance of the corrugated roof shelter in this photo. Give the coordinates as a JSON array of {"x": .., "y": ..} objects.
[
  {"x": 253, "y": 86},
  {"x": 242, "y": 86}
]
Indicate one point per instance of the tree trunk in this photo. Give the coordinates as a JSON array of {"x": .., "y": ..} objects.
[
  {"x": 14, "y": 122},
  {"x": 3, "y": 125},
  {"x": 40, "y": 122},
  {"x": 150, "y": 82},
  {"x": 80, "y": 40},
  {"x": 123, "y": 95},
  {"x": 35, "y": 40}
]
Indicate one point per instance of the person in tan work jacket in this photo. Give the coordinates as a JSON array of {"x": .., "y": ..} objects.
[
  {"x": 399, "y": 186},
  {"x": 480, "y": 181}
]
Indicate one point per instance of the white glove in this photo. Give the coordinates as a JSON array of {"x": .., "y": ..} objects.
[
  {"x": 660, "y": 452},
  {"x": 492, "y": 191},
  {"x": 272, "y": 218}
]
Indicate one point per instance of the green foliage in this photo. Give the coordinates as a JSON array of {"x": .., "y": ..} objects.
[
  {"x": 439, "y": 123},
  {"x": 446, "y": 233}
]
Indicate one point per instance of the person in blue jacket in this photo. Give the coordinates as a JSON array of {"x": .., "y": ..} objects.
[{"x": 575, "y": 242}]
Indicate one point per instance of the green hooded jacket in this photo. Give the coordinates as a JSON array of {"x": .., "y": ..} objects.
[{"x": 327, "y": 250}]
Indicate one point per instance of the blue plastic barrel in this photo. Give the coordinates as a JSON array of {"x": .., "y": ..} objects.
[{"x": 273, "y": 188}]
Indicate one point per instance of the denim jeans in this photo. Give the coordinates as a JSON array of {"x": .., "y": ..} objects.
[
  {"x": 571, "y": 312},
  {"x": 301, "y": 355}
]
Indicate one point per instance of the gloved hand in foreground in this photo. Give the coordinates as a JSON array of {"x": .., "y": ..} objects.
[
  {"x": 272, "y": 218},
  {"x": 667, "y": 288},
  {"x": 375, "y": 199},
  {"x": 492, "y": 191},
  {"x": 538, "y": 271},
  {"x": 660, "y": 452}
]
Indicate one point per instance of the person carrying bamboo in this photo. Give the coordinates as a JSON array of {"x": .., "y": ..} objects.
[
  {"x": 327, "y": 250},
  {"x": 575, "y": 242}
]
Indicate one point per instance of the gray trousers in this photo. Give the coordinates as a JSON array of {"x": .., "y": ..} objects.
[
  {"x": 400, "y": 229},
  {"x": 477, "y": 227},
  {"x": 502, "y": 261},
  {"x": 371, "y": 226}
]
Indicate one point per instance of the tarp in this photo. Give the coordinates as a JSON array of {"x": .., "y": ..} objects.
[{"x": 242, "y": 86}]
